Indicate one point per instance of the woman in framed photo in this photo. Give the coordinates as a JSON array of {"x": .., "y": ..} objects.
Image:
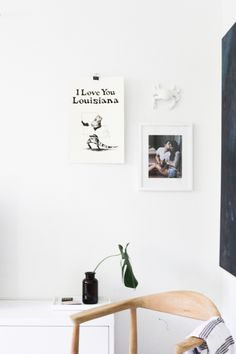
[{"x": 167, "y": 161}]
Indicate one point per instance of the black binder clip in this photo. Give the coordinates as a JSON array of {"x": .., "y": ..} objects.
[{"x": 96, "y": 77}]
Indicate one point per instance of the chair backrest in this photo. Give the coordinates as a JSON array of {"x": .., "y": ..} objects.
[{"x": 182, "y": 303}]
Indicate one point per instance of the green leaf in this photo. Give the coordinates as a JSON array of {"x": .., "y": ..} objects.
[{"x": 126, "y": 269}]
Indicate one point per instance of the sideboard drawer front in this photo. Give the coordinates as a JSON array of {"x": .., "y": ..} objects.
[{"x": 52, "y": 340}]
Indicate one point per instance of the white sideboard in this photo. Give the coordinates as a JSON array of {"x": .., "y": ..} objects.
[{"x": 34, "y": 327}]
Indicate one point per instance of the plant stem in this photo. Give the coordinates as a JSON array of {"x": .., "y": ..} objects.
[{"x": 113, "y": 255}]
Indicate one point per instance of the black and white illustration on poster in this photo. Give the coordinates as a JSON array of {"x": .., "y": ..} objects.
[{"x": 97, "y": 121}]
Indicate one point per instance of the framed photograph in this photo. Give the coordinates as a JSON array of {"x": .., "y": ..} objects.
[
  {"x": 166, "y": 157},
  {"x": 96, "y": 121}
]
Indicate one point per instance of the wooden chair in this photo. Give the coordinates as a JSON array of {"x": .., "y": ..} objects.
[{"x": 182, "y": 303}]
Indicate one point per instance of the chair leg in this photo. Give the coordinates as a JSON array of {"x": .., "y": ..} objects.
[
  {"x": 75, "y": 339},
  {"x": 133, "y": 332}
]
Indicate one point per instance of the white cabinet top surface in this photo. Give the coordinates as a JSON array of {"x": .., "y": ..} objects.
[{"x": 42, "y": 313}]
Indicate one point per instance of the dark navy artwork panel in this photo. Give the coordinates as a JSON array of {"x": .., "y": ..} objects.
[{"x": 228, "y": 158}]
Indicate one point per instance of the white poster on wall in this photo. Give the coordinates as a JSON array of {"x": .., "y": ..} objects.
[{"x": 96, "y": 133}]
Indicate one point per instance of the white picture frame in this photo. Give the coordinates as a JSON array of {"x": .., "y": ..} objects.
[{"x": 166, "y": 157}]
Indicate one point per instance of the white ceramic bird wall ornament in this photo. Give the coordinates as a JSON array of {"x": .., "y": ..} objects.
[{"x": 171, "y": 95}]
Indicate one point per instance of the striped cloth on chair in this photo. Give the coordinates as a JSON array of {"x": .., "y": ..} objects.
[{"x": 216, "y": 336}]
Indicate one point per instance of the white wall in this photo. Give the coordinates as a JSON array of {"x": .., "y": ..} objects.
[
  {"x": 58, "y": 219},
  {"x": 229, "y": 281}
]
